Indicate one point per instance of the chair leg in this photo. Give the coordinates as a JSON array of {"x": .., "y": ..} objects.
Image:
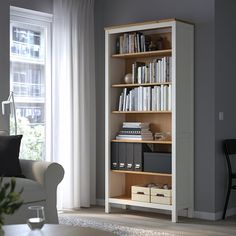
[{"x": 227, "y": 198}]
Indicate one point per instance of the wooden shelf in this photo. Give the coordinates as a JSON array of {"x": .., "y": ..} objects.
[
  {"x": 140, "y": 173},
  {"x": 145, "y": 112},
  {"x": 138, "y": 85},
  {"x": 166, "y": 52},
  {"x": 126, "y": 200},
  {"x": 141, "y": 141}
]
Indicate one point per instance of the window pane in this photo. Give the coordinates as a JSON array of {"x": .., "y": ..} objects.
[
  {"x": 27, "y": 43},
  {"x": 27, "y": 67}
]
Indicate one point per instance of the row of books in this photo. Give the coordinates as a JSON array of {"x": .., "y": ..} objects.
[
  {"x": 156, "y": 71},
  {"x": 135, "y": 131},
  {"x": 157, "y": 98},
  {"x": 132, "y": 42}
]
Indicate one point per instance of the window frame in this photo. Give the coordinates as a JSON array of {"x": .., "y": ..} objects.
[{"x": 32, "y": 17}]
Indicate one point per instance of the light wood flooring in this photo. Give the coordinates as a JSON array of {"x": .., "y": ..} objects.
[{"x": 162, "y": 222}]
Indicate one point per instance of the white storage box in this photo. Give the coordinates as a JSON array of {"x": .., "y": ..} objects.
[
  {"x": 140, "y": 193},
  {"x": 161, "y": 196}
]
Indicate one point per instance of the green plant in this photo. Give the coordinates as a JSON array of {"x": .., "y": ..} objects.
[
  {"x": 10, "y": 200},
  {"x": 33, "y": 141}
]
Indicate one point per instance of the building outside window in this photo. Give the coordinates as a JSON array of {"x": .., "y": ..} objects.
[{"x": 30, "y": 80}]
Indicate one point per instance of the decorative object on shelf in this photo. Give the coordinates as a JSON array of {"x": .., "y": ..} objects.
[
  {"x": 162, "y": 136},
  {"x": 128, "y": 78},
  {"x": 10, "y": 200},
  {"x": 10, "y": 101},
  {"x": 152, "y": 46},
  {"x": 159, "y": 44}
]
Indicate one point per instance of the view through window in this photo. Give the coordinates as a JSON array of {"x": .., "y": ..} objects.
[{"x": 28, "y": 80}]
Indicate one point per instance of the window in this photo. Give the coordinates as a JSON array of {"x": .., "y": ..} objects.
[{"x": 30, "y": 80}]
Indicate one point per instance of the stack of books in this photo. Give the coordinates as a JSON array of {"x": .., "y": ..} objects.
[{"x": 135, "y": 131}]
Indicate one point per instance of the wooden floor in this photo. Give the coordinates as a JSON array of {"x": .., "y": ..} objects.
[{"x": 155, "y": 221}]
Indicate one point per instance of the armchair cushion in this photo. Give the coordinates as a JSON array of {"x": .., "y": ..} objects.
[
  {"x": 32, "y": 190},
  {"x": 9, "y": 156}
]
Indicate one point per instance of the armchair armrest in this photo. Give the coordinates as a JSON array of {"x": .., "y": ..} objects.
[{"x": 42, "y": 172}]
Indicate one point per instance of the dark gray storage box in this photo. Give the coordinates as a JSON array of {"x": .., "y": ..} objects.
[{"x": 157, "y": 162}]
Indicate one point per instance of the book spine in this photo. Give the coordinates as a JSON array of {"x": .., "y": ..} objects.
[
  {"x": 149, "y": 98},
  {"x": 133, "y": 73},
  {"x": 124, "y": 98},
  {"x": 120, "y": 102},
  {"x": 170, "y": 98},
  {"x": 162, "y": 97},
  {"x": 158, "y": 98}
]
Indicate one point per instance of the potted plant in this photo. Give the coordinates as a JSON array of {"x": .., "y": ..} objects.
[{"x": 10, "y": 200}]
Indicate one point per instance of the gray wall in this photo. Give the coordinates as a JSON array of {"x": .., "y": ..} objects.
[
  {"x": 4, "y": 59},
  {"x": 225, "y": 35},
  {"x": 37, "y": 5},
  {"x": 201, "y": 12},
  {"x": 214, "y": 79}
]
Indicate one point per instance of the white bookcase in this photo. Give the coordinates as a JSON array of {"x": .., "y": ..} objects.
[{"x": 178, "y": 44}]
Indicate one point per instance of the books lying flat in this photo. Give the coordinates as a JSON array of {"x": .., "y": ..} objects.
[
  {"x": 135, "y": 131},
  {"x": 135, "y": 137},
  {"x": 131, "y": 132},
  {"x": 135, "y": 125}
]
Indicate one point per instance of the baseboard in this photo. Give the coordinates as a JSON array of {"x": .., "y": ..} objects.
[
  {"x": 197, "y": 214},
  {"x": 207, "y": 215},
  {"x": 100, "y": 202},
  {"x": 214, "y": 216}
]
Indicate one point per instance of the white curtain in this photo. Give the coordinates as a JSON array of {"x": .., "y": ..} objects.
[{"x": 73, "y": 101}]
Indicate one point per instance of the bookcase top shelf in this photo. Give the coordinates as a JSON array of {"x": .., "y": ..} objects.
[
  {"x": 138, "y": 112},
  {"x": 140, "y": 173},
  {"x": 147, "y": 23},
  {"x": 138, "y": 85},
  {"x": 141, "y": 141},
  {"x": 158, "y": 53}
]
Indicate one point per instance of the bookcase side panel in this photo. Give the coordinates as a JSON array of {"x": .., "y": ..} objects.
[
  {"x": 107, "y": 122},
  {"x": 115, "y": 71},
  {"x": 184, "y": 115}
]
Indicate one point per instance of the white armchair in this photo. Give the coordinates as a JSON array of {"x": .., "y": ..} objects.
[{"x": 40, "y": 188}]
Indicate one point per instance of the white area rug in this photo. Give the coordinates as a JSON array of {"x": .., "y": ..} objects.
[{"x": 115, "y": 228}]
